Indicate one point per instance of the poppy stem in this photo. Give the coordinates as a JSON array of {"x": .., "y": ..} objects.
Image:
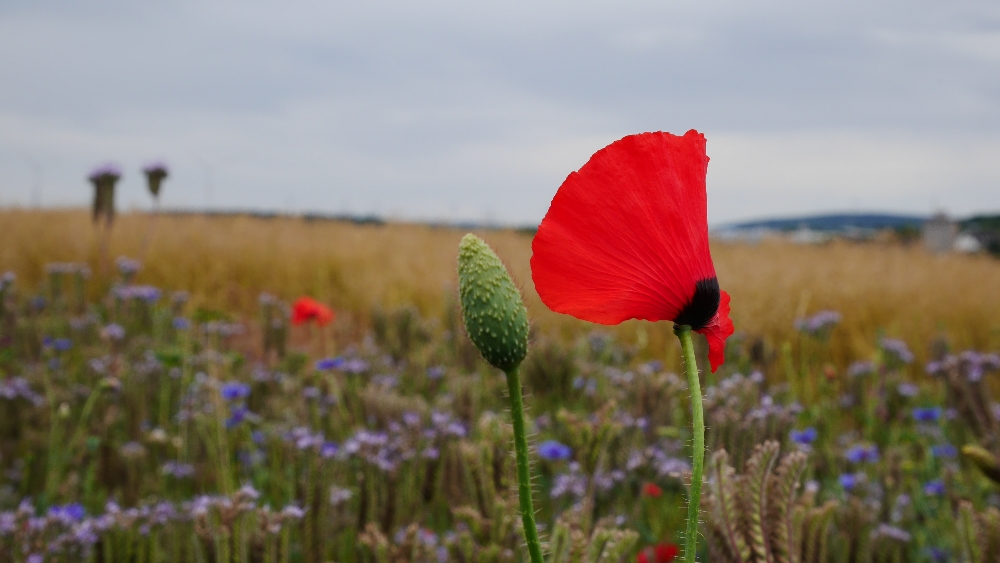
[
  {"x": 523, "y": 469},
  {"x": 683, "y": 333}
]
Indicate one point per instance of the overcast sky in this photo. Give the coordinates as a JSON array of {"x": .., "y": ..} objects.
[{"x": 471, "y": 111}]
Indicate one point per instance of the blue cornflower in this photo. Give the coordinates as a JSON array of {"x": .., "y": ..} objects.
[
  {"x": 258, "y": 437},
  {"x": 552, "y": 450},
  {"x": 848, "y": 480},
  {"x": 927, "y": 414},
  {"x": 934, "y": 488},
  {"x": 327, "y": 364},
  {"x": 944, "y": 450},
  {"x": 180, "y": 323},
  {"x": 70, "y": 512},
  {"x": 62, "y": 344},
  {"x": 804, "y": 437},
  {"x": 435, "y": 372},
  {"x": 235, "y": 390},
  {"x": 862, "y": 454},
  {"x": 937, "y": 555},
  {"x": 328, "y": 450},
  {"x": 237, "y": 415}
]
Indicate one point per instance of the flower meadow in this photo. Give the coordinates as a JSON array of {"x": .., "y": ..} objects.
[
  {"x": 140, "y": 425},
  {"x": 140, "y": 428}
]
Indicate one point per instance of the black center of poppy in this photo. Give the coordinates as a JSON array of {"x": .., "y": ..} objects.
[{"x": 704, "y": 304}]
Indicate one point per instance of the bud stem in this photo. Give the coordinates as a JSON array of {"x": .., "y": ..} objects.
[
  {"x": 683, "y": 333},
  {"x": 523, "y": 469}
]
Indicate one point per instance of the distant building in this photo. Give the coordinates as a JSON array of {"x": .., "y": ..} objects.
[
  {"x": 939, "y": 233},
  {"x": 749, "y": 235},
  {"x": 805, "y": 235},
  {"x": 967, "y": 243}
]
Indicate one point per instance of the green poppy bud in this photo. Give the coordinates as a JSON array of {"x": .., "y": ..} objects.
[{"x": 494, "y": 314}]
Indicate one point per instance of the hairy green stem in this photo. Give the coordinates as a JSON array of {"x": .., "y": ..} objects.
[
  {"x": 523, "y": 470},
  {"x": 683, "y": 332}
]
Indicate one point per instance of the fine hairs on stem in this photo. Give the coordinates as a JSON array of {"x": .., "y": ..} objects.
[
  {"x": 683, "y": 333},
  {"x": 523, "y": 469}
]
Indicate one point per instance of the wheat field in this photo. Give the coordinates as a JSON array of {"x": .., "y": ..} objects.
[{"x": 226, "y": 261}]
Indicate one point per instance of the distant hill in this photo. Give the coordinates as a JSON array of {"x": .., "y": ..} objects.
[
  {"x": 982, "y": 223},
  {"x": 835, "y": 222}
]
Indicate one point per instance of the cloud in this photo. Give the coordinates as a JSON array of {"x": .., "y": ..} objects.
[{"x": 464, "y": 111}]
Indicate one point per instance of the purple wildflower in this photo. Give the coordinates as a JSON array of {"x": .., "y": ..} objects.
[
  {"x": 67, "y": 514},
  {"x": 177, "y": 469},
  {"x": 339, "y": 496},
  {"x": 328, "y": 450},
  {"x": 113, "y": 332},
  {"x": 819, "y": 324},
  {"x": 804, "y": 437},
  {"x": 944, "y": 451},
  {"x": 237, "y": 414},
  {"x": 907, "y": 389},
  {"x": 896, "y": 350},
  {"x": 927, "y": 414},
  {"x": 127, "y": 266},
  {"x": 327, "y": 364},
  {"x": 235, "y": 390},
  {"x": 934, "y": 488},
  {"x": 551, "y": 450},
  {"x": 938, "y": 555},
  {"x": 355, "y": 366},
  {"x": 892, "y": 532},
  {"x": 293, "y": 511},
  {"x": 849, "y": 480},
  {"x": 862, "y": 454},
  {"x": 572, "y": 484}
]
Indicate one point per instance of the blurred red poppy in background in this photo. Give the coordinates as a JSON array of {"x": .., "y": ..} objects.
[
  {"x": 652, "y": 490},
  {"x": 661, "y": 553},
  {"x": 626, "y": 237},
  {"x": 665, "y": 552},
  {"x": 307, "y": 309}
]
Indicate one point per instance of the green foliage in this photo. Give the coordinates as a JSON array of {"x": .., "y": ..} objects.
[
  {"x": 574, "y": 540},
  {"x": 979, "y": 534},
  {"x": 761, "y": 515},
  {"x": 424, "y": 461},
  {"x": 986, "y": 462}
]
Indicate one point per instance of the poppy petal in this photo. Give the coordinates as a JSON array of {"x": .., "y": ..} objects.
[
  {"x": 306, "y": 309},
  {"x": 626, "y": 236},
  {"x": 717, "y": 331}
]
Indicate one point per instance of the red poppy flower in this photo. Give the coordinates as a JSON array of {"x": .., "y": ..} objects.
[
  {"x": 626, "y": 237},
  {"x": 642, "y": 557},
  {"x": 665, "y": 552},
  {"x": 652, "y": 490},
  {"x": 306, "y": 309}
]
